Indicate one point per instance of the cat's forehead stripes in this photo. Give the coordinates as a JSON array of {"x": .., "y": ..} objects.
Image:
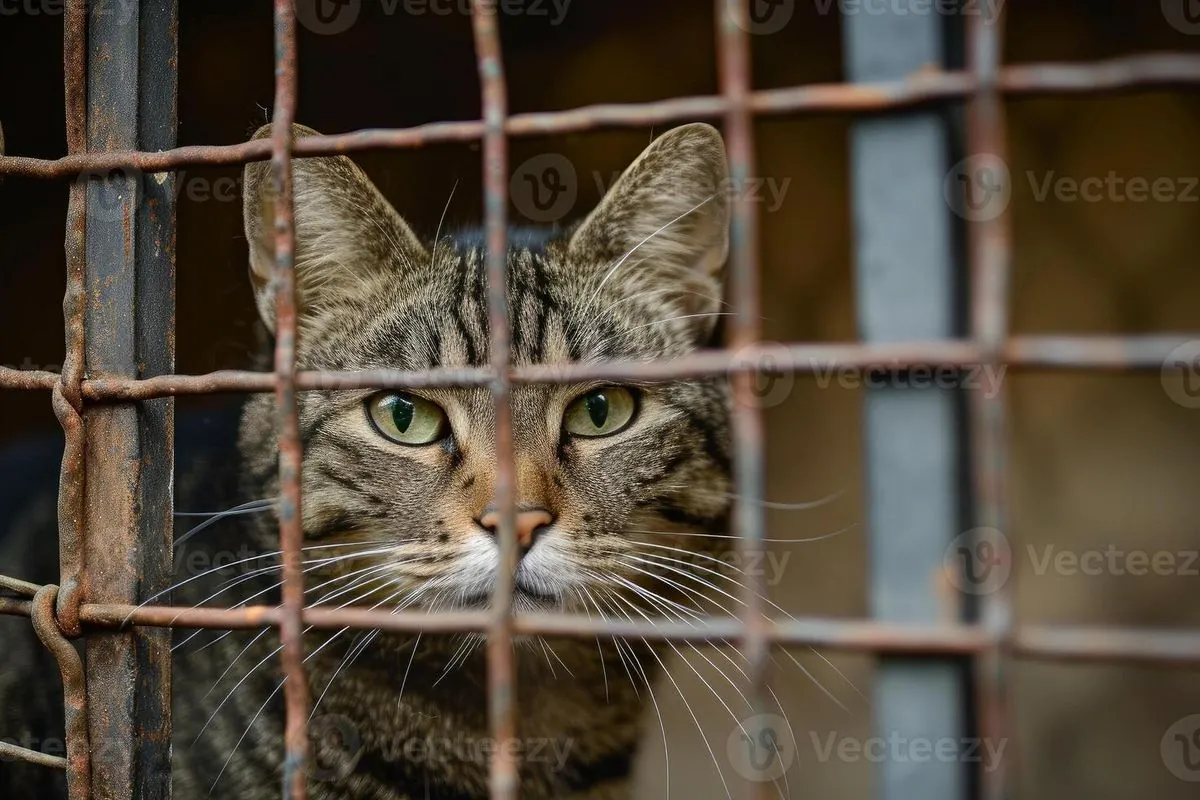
[{"x": 554, "y": 317}]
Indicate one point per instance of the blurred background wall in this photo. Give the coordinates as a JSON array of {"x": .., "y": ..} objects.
[{"x": 1096, "y": 460}]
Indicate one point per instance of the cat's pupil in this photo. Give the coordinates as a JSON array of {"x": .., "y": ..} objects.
[
  {"x": 597, "y": 408},
  {"x": 402, "y": 413}
]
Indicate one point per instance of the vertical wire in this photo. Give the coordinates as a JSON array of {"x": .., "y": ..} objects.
[
  {"x": 505, "y": 771},
  {"x": 67, "y": 402},
  {"x": 990, "y": 250},
  {"x": 733, "y": 49},
  {"x": 291, "y": 531}
]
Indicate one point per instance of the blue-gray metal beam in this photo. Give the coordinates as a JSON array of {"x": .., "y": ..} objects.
[{"x": 905, "y": 247}]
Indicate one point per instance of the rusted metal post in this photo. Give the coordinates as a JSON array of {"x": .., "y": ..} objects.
[{"x": 127, "y": 515}]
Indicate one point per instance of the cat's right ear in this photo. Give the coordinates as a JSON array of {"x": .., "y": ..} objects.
[{"x": 346, "y": 232}]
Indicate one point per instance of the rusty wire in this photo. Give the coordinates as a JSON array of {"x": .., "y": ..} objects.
[
  {"x": 291, "y": 526},
  {"x": 504, "y": 776},
  {"x": 58, "y": 613},
  {"x": 926, "y": 86},
  {"x": 733, "y": 47},
  {"x": 990, "y": 265},
  {"x": 1023, "y": 353}
]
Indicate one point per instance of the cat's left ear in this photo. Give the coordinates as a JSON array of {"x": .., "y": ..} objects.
[
  {"x": 346, "y": 233},
  {"x": 664, "y": 225}
]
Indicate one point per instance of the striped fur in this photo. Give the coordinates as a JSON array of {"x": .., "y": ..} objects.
[{"x": 640, "y": 278}]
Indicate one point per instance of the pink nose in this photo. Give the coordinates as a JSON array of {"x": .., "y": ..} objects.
[{"x": 530, "y": 522}]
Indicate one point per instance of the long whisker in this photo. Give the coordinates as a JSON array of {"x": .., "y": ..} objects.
[
  {"x": 232, "y": 512},
  {"x": 356, "y": 584},
  {"x": 775, "y": 506},
  {"x": 590, "y": 303},
  {"x": 738, "y": 600},
  {"x": 252, "y": 507},
  {"x": 624, "y": 331},
  {"x": 599, "y": 649},
  {"x": 317, "y": 563},
  {"x": 261, "y": 708},
  {"x": 273, "y": 554},
  {"x": 371, "y": 636},
  {"x": 356, "y": 648},
  {"x": 686, "y": 534},
  {"x": 266, "y": 702},
  {"x": 807, "y": 505},
  {"x": 438, "y": 235},
  {"x": 639, "y": 245},
  {"x": 660, "y": 602},
  {"x": 683, "y": 697}
]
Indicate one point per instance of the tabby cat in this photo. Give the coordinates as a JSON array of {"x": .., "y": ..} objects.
[{"x": 621, "y": 489}]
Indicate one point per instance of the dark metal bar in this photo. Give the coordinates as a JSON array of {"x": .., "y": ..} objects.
[
  {"x": 157, "y": 123},
  {"x": 129, "y": 450},
  {"x": 733, "y": 63},
  {"x": 502, "y": 688},
  {"x": 291, "y": 530},
  {"x": 990, "y": 248},
  {"x": 904, "y": 267},
  {"x": 920, "y": 87}
]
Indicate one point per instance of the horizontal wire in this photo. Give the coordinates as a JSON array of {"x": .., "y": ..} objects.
[
  {"x": 832, "y": 361},
  {"x": 919, "y": 88}
]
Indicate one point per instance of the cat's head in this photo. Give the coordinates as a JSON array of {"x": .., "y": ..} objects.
[{"x": 613, "y": 482}]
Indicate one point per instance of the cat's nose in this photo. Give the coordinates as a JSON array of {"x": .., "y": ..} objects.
[{"x": 530, "y": 523}]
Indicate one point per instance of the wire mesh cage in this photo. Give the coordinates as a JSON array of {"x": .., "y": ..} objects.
[{"x": 114, "y": 391}]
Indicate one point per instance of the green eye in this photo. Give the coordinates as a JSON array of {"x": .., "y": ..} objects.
[
  {"x": 407, "y": 419},
  {"x": 600, "y": 412}
]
